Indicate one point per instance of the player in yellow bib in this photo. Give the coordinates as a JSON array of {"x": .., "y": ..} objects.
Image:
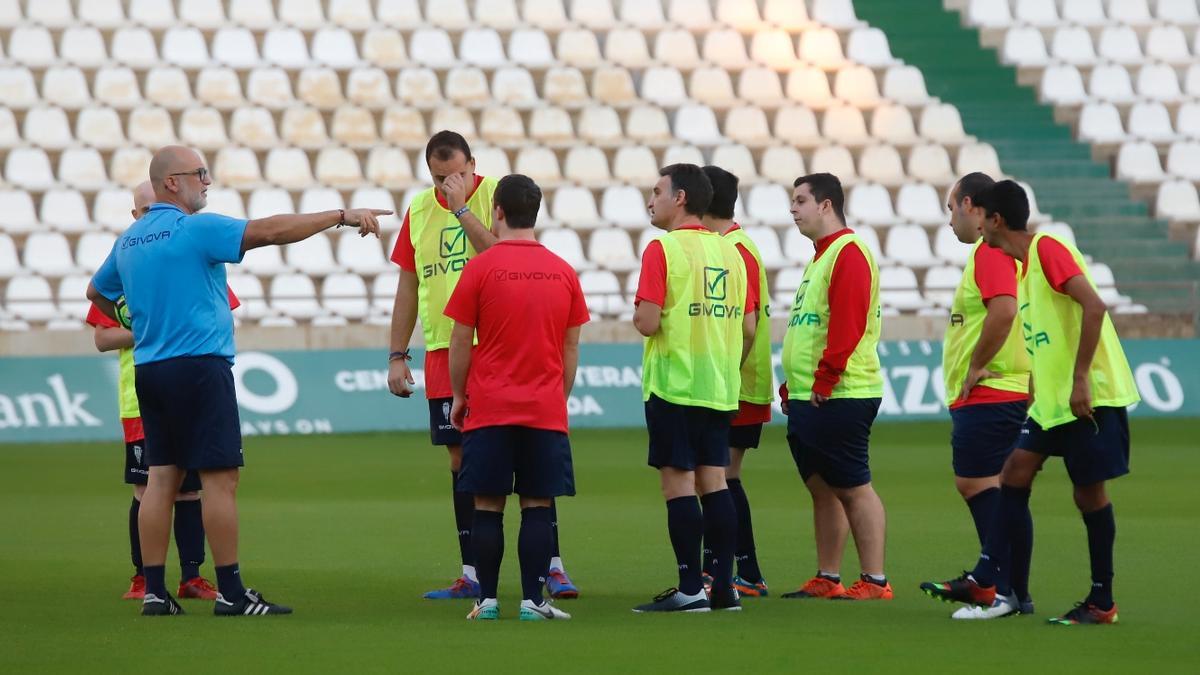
[
  {"x": 691, "y": 306},
  {"x": 833, "y": 389},
  {"x": 754, "y": 398},
  {"x": 1081, "y": 387},
  {"x": 445, "y": 226},
  {"x": 986, "y": 373}
]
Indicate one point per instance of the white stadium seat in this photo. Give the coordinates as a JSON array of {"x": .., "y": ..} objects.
[
  {"x": 295, "y": 296},
  {"x": 565, "y": 244},
  {"x": 17, "y": 214},
  {"x": 92, "y": 249},
  {"x": 48, "y": 254},
  {"x": 870, "y": 203},
  {"x": 345, "y": 295},
  {"x": 612, "y": 249},
  {"x": 168, "y": 87},
  {"x": 30, "y": 298},
  {"x": 624, "y": 205},
  {"x": 909, "y": 245},
  {"x": 65, "y": 210}
]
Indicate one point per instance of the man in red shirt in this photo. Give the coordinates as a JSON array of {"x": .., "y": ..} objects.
[
  {"x": 443, "y": 228},
  {"x": 987, "y": 388},
  {"x": 754, "y": 399},
  {"x": 510, "y": 392}
]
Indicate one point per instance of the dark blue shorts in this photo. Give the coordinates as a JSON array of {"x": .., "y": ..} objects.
[
  {"x": 190, "y": 413},
  {"x": 138, "y": 473},
  {"x": 831, "y": 441},
  {"x": 506, "y": 459},
  {"x": 745, "y": 436},
  {"x": 441, "y": 432},
  {"x": 984, "y": 436},
  {"x": 686, "y": 436},
  {"x": 1092, "y": 451}
]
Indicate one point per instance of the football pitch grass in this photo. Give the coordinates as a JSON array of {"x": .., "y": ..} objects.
[{"x": 350, "y": 530}]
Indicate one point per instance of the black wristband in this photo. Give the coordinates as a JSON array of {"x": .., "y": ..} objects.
[{"x": 399, "y": 355}]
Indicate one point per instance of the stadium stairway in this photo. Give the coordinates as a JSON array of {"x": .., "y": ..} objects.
[{"x": 1070, "y": 186}]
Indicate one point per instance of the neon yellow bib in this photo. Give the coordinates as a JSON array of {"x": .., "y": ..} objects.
[
  {"x": 808, "y": 331},
  {"x": 1051, "y": 322},
  {"x": 756, "y": 371},
  {"x": 694, "y": 357},
  {"x": 126, "y": 392},
  {"x": 441, "y": 251},
  {"x": 967, "y": 313}
]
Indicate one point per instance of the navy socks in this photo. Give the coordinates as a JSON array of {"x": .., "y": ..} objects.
[
  {"x": 464, "y": 514},
  {"x": 983, "y": 511},
  {"x": 189, "y": 538},
  {"x": 1102, "y": 534},
  {"x": 135, "y": 542},
  {"x": 488, "y": 539},
  {"x": 534, "y": 545},
  {"x": 229, "y": 582},
  {"x": 720, "y": 531},
  {"x": 747, "y": 559},
  {"x": 685, "y": 524}
]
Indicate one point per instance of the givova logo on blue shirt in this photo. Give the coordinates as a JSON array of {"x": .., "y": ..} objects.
[{"x": 715, "y": 288}]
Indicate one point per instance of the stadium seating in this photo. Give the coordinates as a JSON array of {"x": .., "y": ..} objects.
[{"x": 301, "y": 104}]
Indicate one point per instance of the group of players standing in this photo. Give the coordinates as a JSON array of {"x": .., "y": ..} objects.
[{"x": 499, "y": 367}]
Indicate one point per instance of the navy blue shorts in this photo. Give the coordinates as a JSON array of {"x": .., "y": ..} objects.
[
  {"x": 506, "y": 459},
  {"x": 686, "y": 436},
  {"x": 831, "y": 441},
  {"x": 138, "y": 473},
  {"x": 441, "y": 431},
  {"x": 1092, "y": 451},
  {"x": 745, "y": 436},
  {"x": 190, "y": 413},
  {"x": 984, "y": 436}
]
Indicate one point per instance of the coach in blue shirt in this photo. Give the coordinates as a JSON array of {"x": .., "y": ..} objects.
[{"x": 165, "y": 277}]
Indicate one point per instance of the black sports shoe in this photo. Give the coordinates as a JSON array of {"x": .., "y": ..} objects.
[
  {"x": 726, "y": 599},
  {"x": 152, "y": 605},
  {"x": 961, "y": 589},
  {"x": 250, "y": 604},
  {"x": 671, "y": 600},
  {"x": 1026, "y": 605}
]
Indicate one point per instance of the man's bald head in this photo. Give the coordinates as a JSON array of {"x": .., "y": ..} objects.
[
  {"x": 179, "y": 177},
  {"x": 143, "y": 197}
]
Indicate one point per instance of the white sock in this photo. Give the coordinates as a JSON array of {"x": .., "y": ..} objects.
[
  {"x": 556, "y": 563},
  {"x": 832, "y": 575},
  {"x": 878, "y": 578},
  {"x": 469, "y": 572}
]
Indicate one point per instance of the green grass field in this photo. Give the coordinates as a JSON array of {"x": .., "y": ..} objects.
[{"x": 352, "y": 529}]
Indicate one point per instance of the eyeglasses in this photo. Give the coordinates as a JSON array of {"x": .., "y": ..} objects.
[{"x": 201, "y": 173}]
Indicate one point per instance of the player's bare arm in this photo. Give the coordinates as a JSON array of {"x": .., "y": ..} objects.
[
  {"x": 1081, "y": 291},
  {"x": 109, "y": 338},
  {"x": 404, "y": 321},
  {"x": 460, "y": 364},
  {"x": 570, "y": 359},
  {"x": 1001, "y": 312},
  {"x": 455, "y": 189},
  {"x": 647, "y": 317},
  {"x": 290, "y": 228}
]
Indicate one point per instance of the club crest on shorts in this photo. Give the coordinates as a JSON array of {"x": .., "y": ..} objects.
[
  {"x": 446, "y": 410},
  {"x": 137, "y": 453}
]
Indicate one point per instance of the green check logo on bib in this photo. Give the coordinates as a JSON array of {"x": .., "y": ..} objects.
[
  {"x": 714, "y": 282},
  {"x": 454, "y": 242}
]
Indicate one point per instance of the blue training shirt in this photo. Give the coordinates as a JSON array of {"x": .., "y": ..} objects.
[{"x": 171, "y": 269}]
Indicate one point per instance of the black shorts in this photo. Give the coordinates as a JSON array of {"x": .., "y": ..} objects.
[
  {"x": 1092, "y": 451},
  {"x": 137, "y": 472},
  {"x": 745, "y": 436},
  {"x": 984, "y": 436},
  {"x": 506, "y": 459},
  {"x": 685, "y": 436},
  {"x": 190, "y": 413},
  {"x": 441, "y": 432},
  {"x": 832, "y": 440}
]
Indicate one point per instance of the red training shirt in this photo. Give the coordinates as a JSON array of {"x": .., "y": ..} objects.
[
  {"x": 520, "y": 298},
  {"x": 132, "y": 426},
  {"x": 750, "y": 413},
  {"x": 849, "y": 304},
  {"x": 437, "y": 362},
  {"x": 652, "y": 282},
  {"x": 995, "y": 274},
  {"x": 1058, "y": 264}
]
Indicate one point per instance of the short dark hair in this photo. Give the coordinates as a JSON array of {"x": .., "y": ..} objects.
[
  {"x": 826, "y": 186},
  {"x": 519, "y": 197},
  {"x": 971, "y": 185},
  {"x": 444, "y": 144},
  {"x": 725, "y": 192},
  {"x": 694, "y": 183},
  {"x": 1009, "y": 200}
]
